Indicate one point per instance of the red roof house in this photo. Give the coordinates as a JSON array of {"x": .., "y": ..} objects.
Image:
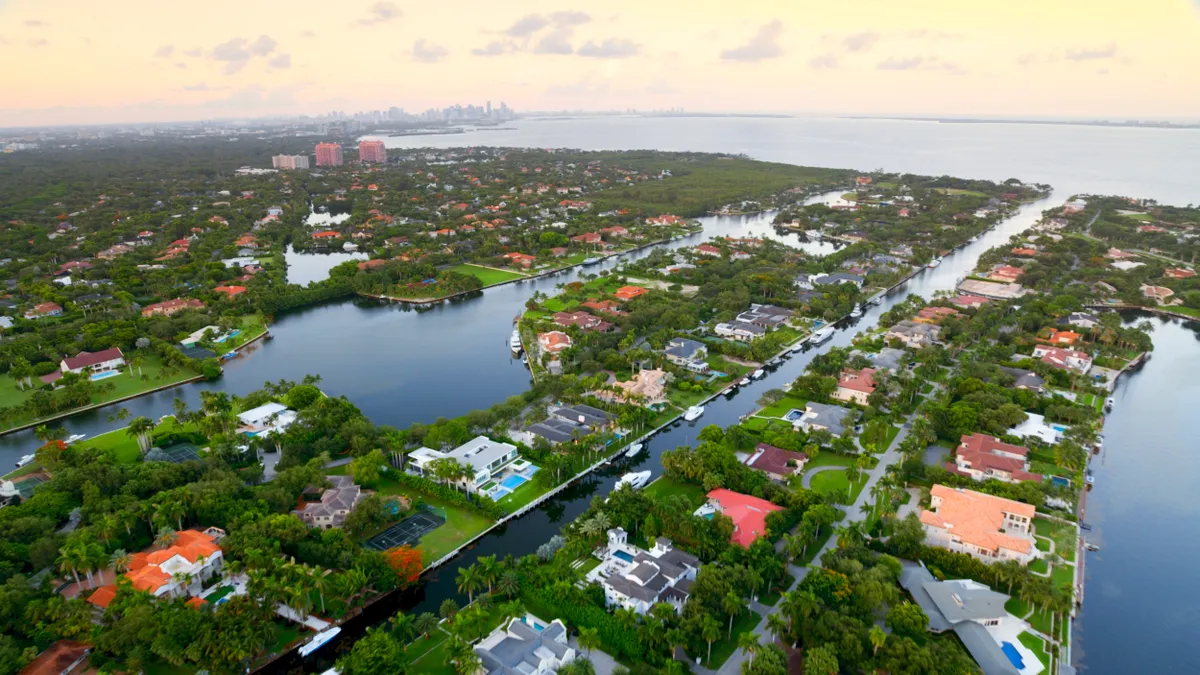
[
  {"x": 630, "y": 292},
  {"x": 749, "y": 514},
  {"x": 983, "y": 457},
  {"x": 777, "y": 463},
  {"x": 231, "y": 291}
]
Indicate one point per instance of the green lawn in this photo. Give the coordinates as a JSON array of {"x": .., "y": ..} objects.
[
  {"x": 1143, "y": 217},
  {"x": 488, "y": 276},
  {"x": 827, "y": 458},
  {"x": 284, "y": 635},
  {"x": 126, "y": 447},
  {"x": 782, "y": 406},
  {"x": 722, "y": 649},
  {"x": 956, "y": 191},
  {"x": 429, "y": 656},
  {"x": 665, "y": 487},
  {"x": 218, "y": 594},
  {"x": 686, "y": 399},
  {"x": 1056, "y": 530},
  {"x": 124, "y": 384},
  {"x": 831, "y": 482},
  {"x": 527, "y": 492},
  {"x": 1037, "y": 646}
]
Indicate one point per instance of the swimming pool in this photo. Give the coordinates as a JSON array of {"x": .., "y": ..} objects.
[
  {"x": 623, "y": 556},
  {"x": 513, "y": 482},
  {"x": 1014, "y": 656},
  {"x": 101, "y": 376}
]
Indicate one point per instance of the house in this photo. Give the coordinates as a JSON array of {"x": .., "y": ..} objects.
[
  {"x": 838, "y": 278},
  {"x": 1035, "y": 426},
  {"x": 615, "y": 231},
  {"x": 558, "y": 251},
  {"x": 1080, "y": 320},
  {"x": 105, "y": 361},
  {"x": 935, "y": 315},
  {"x": 333, "y": 504},
  {"x": 606, "y": 306},
  {"x": 586, "y": 238},
  {"x": 637, "y": 579},
  {"x": 519, "y": 259},
  {"x": 627, "y": 293},
  {"x": 1159, "y": 294},
  {"x": 984, "y": 526},
  {"x": 749, "y": 514},
  {"x": 1118, "y": 254},
  {"x": 554, "y": 341},
  {"x": 820, "y": 417},
  {"x": 855, "y": 385},
  {"x": 266, "y": 419},
  {"x": 708, "y": 250},
  {"x": 975, "y": 613},
  {"x": 1179, "y": 273},
  {"x": 173, "y": 572},
  {"x": 766, "y": 316},
  {"x": 777, "y": 463},
  {"x": 64, "y": 657},
  {"x": 1025, "y": 379},
  {"x": 969, "y": 301},
  {"x": 231, "y": 291},
  {"x": 583, "y": 320},
  {"x": 593, "y": 418},
  {"x": 43, "y": 310},
  {"x": 992, "y": 290},
  {"x": 1063, "y": 359},
  {"x": 526, "y": 646},
  {"x": 982, "y": 457},
  {"x": 647, "y": 388},
  {"x": 368, "y": 265},
  {"x": 889, "y": 359},
  {"x": 688, "y": 354},
  {"x": 484, "y": 459},
  {"x": 739, "y": 330},
  {"x": 171, "y": 307},
  {"x": 554, "y": 430},
  {"x": 1005, "y": 274},
  {"x": 912, "y": 334}
]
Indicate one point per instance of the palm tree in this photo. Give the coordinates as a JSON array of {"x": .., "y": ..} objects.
[
  {"x": 140, "y": 429},
  {"x": 710, "y": 630},
  {"x": 589, "y": 639},
  {"x": 469, "y": 581},
  {"x": 71, "y": 558},
  {"x": 319, "y": 579},
  {"x": 748, "y": 642},
  {"x": 1008, "y": 572},
  {"x": 489, "y": 570},
  {"x": 448, "y": 608},
  {"x": 878, "y": 638},
  {"x": 120, "y": 561},
  {"x": 425, "y": 623},
  {"x": 777, "y": 626},
  {"x": 166, "y": 536},
  {"x": 732, "y": 605},
  {"x": 509, "y": 583},
  {"x": 402, "y": 627}
]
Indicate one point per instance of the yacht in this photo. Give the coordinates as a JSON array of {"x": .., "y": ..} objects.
[
  {"x": 514, "y": 342},
  {"x": 25, "y": 460},
  {"x": 693, "y": 413},
  {"x": 875, "y": 300},
  {"x": 821, "y": 336},
  {"x": 935, "y": 262},
  {"x": 1108, "y": 405},
  {"x": 757, "y": 374},
  {"x": 592, "y": 261},
  {"x": 745, "y": 381},
  {"x": 319, "y": 640},
  {"x": 856, "y": 312},
  {"x": 74, "y": 438},
  {"x": 813, "y": 234},
  {"x": 634, "y": 450},
  {"x": 636, "y": 480}
]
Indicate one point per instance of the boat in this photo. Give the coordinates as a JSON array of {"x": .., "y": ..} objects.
[
  {"x": 25, "y": 460},
  {"x": 821, "y": 336},
  {"x": 524, "y": 359},
  {"x": 636, "y": 480},
  {"x": 592, "y": 261},
  {"x": 757, "y": 374},
  {"x": 745, "y": 381},
  {"x": 228, "y": 355},
  {"x": 514, "y": 342},
  {"x": 1090, "y": 546},
  {"x": 935, "y": 262},
  {"x": 813, "y": 234},
  {"x": 875, "y": 300},
  {"x": 1108, "y": 405},
  {"x": 693, "y": 413},
  {"x": 1091, "y": 480},
  {"x": 74, "y": 438},
  {"x": 634, "y": 450},
  {"x": 319, "y": 640},
  {"x": 856, "y": 312},
  {"x": 1099, "y": 442}
]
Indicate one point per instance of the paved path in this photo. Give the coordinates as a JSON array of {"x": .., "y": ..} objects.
[
  {"x": 807, "y": 480},
  {"x": 603, "y": 663}
]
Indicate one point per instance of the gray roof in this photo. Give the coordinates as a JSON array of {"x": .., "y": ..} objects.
[
  {"x": 984, "y": 650},
  {"x": 907, "y": 327},
  {"x": 479, "y": 452},
  {"x": 590, "y": 416},
  {"x": 558, "y": 431},
  {"x": 1025, "y": 379},
  {"x": 684, "y": 348},
  {"x": 514, "y": 655},
  {"x": 889, "y": 358},
  {"x": 959, "y": 601},
  {"x": 829, "y": 416},
  {"x": 838, "y": 278}
]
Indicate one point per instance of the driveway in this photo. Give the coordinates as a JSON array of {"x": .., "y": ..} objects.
[
  {"x": 604, "y": 664},
  {"x": 806, "y": 481}
]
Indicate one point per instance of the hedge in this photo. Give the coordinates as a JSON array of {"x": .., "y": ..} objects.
[
  {"x": 622, "y": 641},
  {"x": 421, "y": 484}
]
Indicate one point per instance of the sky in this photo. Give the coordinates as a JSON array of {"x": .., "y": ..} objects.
[{"x": 117, "y": 61}]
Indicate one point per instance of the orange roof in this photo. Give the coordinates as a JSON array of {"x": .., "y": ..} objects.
[
  {"x": 630, "y": 292},
  {"x": 58, "y": 659},
  {"x": 103, "y": 596},
  {"x": 232, "y": 291},
  {"x": 1064, "y": 337},
  {"x": 858, "y": 380},
  {"x": 977, "y": 518},
  {"x": 150, "y": 578},
  {"x": 749, "y": 514},
  {"x": 196, "y": 602},
  {"x": 325, "y": 234}
]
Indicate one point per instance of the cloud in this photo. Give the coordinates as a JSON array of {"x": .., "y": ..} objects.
[
  {"x": 36, "y": 23},
  {"x": 612, "y": 48},
  {"x": 824, "y": 62},
  {"x": 860, "y": 42},
  {"x": 380, "y": 12},
  {"x": 494, "y": 48},
  {"x": 281, "y": 61},
  {"x": 202, "y": 86},
  {"x": 527, "y": 26},
  {"x": 555, "y": 42},
  {"x": 263, "y": 45},
  {"x": 585, "y": 86},
  {"x": 1091, "y": 54},
  {"x": 927, "y": 63},
  {"x": 164, "y": 52},
  {"x": 181, "y": 65},
  {"x": 428, "y": 52},
  {"x": 308, "y": 34},
  {"x": 570, "y": 18},
  {"x": 764, "y": 45},
  {"x": 194, "y": 52},
  {"x": 910, "y": 63},
  {"x": 38, "y": 42},
  {"x": 236, "y": 53}
]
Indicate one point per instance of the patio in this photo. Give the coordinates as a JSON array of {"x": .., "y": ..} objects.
[{"x": 516, "y": 474}]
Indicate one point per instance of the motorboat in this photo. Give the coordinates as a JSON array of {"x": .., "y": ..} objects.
[
  {"x": 25, "y": 460},
  {"x": 634, "y": 450},
  {"x": 1090, "y": 546},
  {"x": 757, "y": 375},
  {"x": 1108, "y": 404},
  {"x": 745, "y": 381},
  {"x": 514, "y": 342},
  {"x": 935, "y": 262},
  {"x": 592, "y": 261},
  {"x": 319, "y": 640},
  {"x": 1091, "y": 480},
  {"x": 813, "y": 234},
  {"x": 693, "y": 413},
  {"x": 74, "y": 438},
  {"x": 1099, "y": 442},
  {"x": 875, "y": 300},
  {"x": 821, "y": 336},
  {"x": 634, "y": 479},
  {"x": 856, "y": 312}
]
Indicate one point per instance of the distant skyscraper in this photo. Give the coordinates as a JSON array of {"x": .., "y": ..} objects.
[
  {"x": 329, "y": 154},
  {"x": 288, "y": 162},
  {"x": 372, "y": 151}
]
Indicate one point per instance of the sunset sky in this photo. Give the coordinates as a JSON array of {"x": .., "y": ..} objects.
[{"x": 85, "y": 61}]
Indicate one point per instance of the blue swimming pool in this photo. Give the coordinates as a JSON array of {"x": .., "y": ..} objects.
[
  {"x": 1060, "y": 481},
  {"x": 1014, "y": 656},
  {"x": 101, "y": 376},
  {"x": 623, "y": 556},
  {"x": 513, "y": 482}
]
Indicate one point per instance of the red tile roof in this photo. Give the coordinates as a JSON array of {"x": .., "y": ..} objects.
[
  {"x": 982, "y": 452},
  {"x": 749, "y": 514},
  {"x": 231, "y": 291},
  {"x": 87, "y": 359},
  {"x": 777, "y": 461},
  {"x": 858, "y": 380},
  {"x": 629, "y": 292},
  {"x": 59, "y": 658}
]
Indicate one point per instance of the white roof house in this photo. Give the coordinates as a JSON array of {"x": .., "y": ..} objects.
[
  {"x": 266, "y": 419},
  {"x": 485, "y": 456}
]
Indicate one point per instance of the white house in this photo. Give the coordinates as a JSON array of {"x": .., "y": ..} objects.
[
  {"x": 638, "y": 579},
  {"x": 486, "y": 458},
  {"x": 266, "y": 419},
  {"x": 526, "y": 645},
  {"x": 739, "y": 330},
  {"x": 176, "y": 571},
  {"x": 105, "y": 361}
]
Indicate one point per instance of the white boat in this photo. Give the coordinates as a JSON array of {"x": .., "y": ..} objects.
[
  {"x": 634, "y": 450},
  {"x": 856, "y": 312},
  {"x": 821, "y": 336},
  {"x": 813, "y": 234},
  {"x": 1091, "y": 480},
  {"x": 319, "y": 640},
  {"x": 74, "y": 438},
  {"x": 514, "y": 342},
  {"x": 757, "y": 374},
  {"x": 875, "y": 300},
  {"x": 693, "y": 413},
  {"x": 745, "y": 381},
  {"x": 1109, "y": 403},
  {"x": 935, "y": 262},
  {"x": 25, "y": 460},
  {"x": 592, "y": 261},
  {"x": 636, "y": 480}
]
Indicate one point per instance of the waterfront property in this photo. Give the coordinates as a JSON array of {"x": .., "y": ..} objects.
[
  {"x": 777, "y": 463},
  {"x": 647, "y": 387},
  {"x": 749, "y": 514},
  {"x": 983, "y": 457},
  {"x": 636, "y": 579},
  {"x": 739, "y": 330},
  {"x": 987, "y": 527},
  {"x": 493, "y": 468},
  {"x": 992, "y": 290},
  {"x": 820, "y": 416},
  {"x": 913, "y": 334},
  {"x": 525, "y": 645},
  {"x": 686, "y": 353},
  {"x": 329, "y": 508},
  {"x": 1035, "y": 426},
  {"x": 266, "y": 419},
  {"x": 1063, "y": 359},
  {"x": 855, "y": 385},
  {"x": 99, "y": 365},
  {"x": 977, "y": 616},
  {"x": 175, "y": 571}
]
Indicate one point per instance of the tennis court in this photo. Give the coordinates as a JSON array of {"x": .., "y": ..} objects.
[
  {"x": 408, "y": 531},
  {"x": 181, "y": 452},
  {"x": 27, "y": 484}
]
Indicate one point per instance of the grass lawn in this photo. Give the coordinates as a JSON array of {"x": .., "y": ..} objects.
[
  {"x": 285, "y": 634},
  {"x": 891, "y": 436},
  {"x": 124, "y": 385},
  {"x": 722, "y": 649},
  {"x": 1055, "y": 530},
  {"x": 1063, "y": 575},
  {"x": 1037, "y": 646},
  {"x": 782, "y": 406},
  {"x": 488, "y": 276},
  {"x": 527, "y": 492},
  {"x": 1143, "y": 217},
  {"x": 665, "y": 487},
  {"x": 831, "y": 482},
  {"x": 956, "y": 191},
  {"x": 430, "y": 655},
  {"x": 126, "y": 447},
  {"x": 827, "y": 458},
  {"x": 686, "y": 399},
  {"x": 218, "y": 594}
]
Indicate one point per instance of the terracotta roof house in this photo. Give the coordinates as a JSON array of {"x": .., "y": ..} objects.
[
  {"x": 666, "y": 219},
  {"x": 627, "y": 293},
  {"x": 615, "y": 231},
  {"x": 777, "y": 463},
  {"x": 648, "y": 387},
  {"x": 855, "y": 385},
  {"x": 558, "y": 251},
  {"x": 1063, "y": 359},
  {"x": 709, "y": 250},
  {"x": 1160, "y": 294},
  {"x": 969, "y": 301},
  {"x": 583, "y": 320},
  {"x": 170, "y": 307},
  {"x": 983, "y": 457},
  {"x": 586, "y": 238},
  {"x": 231, "y": 291},
  {"x": 367, "y": 265},
  {"x": 1023, "y": 251},
  {"x": 984, "y": 526},
  {"x": 99, "y": 362},
  {"x": 1179, "y": 273},
  {"x": 1117, "y": 254},
  {"x": 1064, "y": 337},
  {"x": 935, "y": 314},
  {"x": 1005, "y": 273},
  {"x": 606, "y": 306},
  {"x": 749, "y": 514},
  {"x": 43, "y": 310},
  {"x": 65, "y": 657},
  {"x": 326, "y": 234},
  {"x": 521, "y": 259},
  {"x": 554, "y": 341},
  {"x": 175, "y": 571}
]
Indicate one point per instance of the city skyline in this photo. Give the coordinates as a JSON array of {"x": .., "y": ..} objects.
[{"x": 932, "y": 57}]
